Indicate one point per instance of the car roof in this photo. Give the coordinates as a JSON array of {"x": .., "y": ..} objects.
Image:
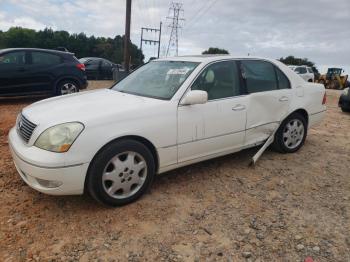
[
  {"x": 210, "y": 58},
  {"x": 93, "y": 58},
  {"x": 90, "y": 57},
  {"x": 2, "y": 51}
]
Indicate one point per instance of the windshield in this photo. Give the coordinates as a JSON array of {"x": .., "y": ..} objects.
[{"x": 157, "y": 79}]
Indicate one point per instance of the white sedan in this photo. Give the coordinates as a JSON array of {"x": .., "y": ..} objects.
[
  {"x": 169, "y": 113},
  {"x": 305, "y": 72}
]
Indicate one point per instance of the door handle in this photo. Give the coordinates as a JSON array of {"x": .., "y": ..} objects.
[
  {"x": 238, "y": 108},
  {"x": 284, "y": 99}
]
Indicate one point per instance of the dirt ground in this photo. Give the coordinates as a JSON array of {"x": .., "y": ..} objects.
[{"x": 287, "y": 208}]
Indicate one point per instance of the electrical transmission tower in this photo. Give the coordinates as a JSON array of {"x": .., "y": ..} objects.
[{"x": 176, "y": 12}]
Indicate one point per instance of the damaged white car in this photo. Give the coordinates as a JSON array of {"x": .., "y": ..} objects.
[{"x": 169, "y": 113}]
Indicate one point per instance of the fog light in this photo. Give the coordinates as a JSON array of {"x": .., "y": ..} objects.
[{"x": 48, "y": 183}]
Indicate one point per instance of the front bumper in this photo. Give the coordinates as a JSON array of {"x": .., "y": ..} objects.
[{"x": 53, "y": 178}]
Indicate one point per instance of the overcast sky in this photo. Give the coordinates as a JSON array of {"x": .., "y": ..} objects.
[{"x": 316, "y": 29}]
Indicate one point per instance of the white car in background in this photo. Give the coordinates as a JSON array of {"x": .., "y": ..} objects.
[
  {"x": 305, "y": 72},
  {"x": 169, "y": 113}
]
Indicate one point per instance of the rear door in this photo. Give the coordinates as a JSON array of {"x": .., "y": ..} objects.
[
  {"x": 44, "y": 67},
  {"x": 269, "y": 96},
  {"x": 14, "y": 75}
]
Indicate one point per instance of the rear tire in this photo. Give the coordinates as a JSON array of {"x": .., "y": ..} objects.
[
  {"x": 121, "y": 173},
  {"x": 291, "y": 135},
  {"x": 66, "y": 87}
]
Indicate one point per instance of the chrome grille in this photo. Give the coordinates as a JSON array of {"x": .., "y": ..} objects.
[{"x": 25, "y": 128}]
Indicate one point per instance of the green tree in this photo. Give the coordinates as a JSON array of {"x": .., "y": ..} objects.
[
  {"x": 79, "y": 44},
  {"x": 215, "y": 50},
  {"x": 291, "y": 60}
]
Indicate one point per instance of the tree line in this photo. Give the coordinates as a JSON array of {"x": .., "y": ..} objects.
[
  {"x": 79, "y": 44},
  {"x": 291, "y": 60}
]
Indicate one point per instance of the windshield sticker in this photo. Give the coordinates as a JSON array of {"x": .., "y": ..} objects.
[{"x": 178, "y": 71}]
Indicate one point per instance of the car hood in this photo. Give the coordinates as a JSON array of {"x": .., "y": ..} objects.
[{"x": 99, "y": 105}]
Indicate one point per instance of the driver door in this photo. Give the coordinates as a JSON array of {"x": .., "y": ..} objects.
[
  {"x": 14, "y": 75},
  {"x": 218, "y": 126}
]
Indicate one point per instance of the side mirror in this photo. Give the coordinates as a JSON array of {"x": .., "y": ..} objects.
[{"x": 195, "y": 97}]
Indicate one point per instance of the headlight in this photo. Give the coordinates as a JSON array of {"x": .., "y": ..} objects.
[
  {"x": 59, "y": 138},
  {"x": 346, "y": 91}
]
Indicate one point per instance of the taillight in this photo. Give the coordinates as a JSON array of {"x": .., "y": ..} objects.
[
  {"x": 324, "y": 100},
  {"x": 81, "y": 67}
]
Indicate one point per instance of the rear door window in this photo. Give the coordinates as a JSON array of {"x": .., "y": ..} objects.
[
  {"x": 40, "y": 58},
  {"x": 259, "y": 76}
]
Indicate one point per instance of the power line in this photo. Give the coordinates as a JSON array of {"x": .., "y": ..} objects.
[
  {"x": 176, "y": 11},
  {"x": 199, "y": 15},
  {"x": 197, "y": 12}
]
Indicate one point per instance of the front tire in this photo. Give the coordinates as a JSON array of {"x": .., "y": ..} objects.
[
  {"x": 121, "y": 173},
  {"x": 291, "y": 135}
]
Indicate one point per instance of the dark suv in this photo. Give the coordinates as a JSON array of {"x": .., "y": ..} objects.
[{"x": 39, "y": 71}]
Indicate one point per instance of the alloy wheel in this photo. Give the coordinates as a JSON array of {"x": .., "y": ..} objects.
[
  {"x": 293, "y": 133},
  {"x": 124, "y": 175},
  {"x": 68, "y": 88}
]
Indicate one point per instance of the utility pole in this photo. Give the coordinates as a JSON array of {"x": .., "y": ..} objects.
[
  {"x": 176, "y": 10},
  {"x": 149, "y": 41},
  {"x": 127, "y": 36}
]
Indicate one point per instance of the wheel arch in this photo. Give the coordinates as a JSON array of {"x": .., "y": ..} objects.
[
  {"x": 140, "y": 139},
  {"x": 303, "y": 112},
  {"x": 68, "y": 77}
]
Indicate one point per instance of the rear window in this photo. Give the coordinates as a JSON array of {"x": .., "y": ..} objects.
[{"x": 39, "y": 58}]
